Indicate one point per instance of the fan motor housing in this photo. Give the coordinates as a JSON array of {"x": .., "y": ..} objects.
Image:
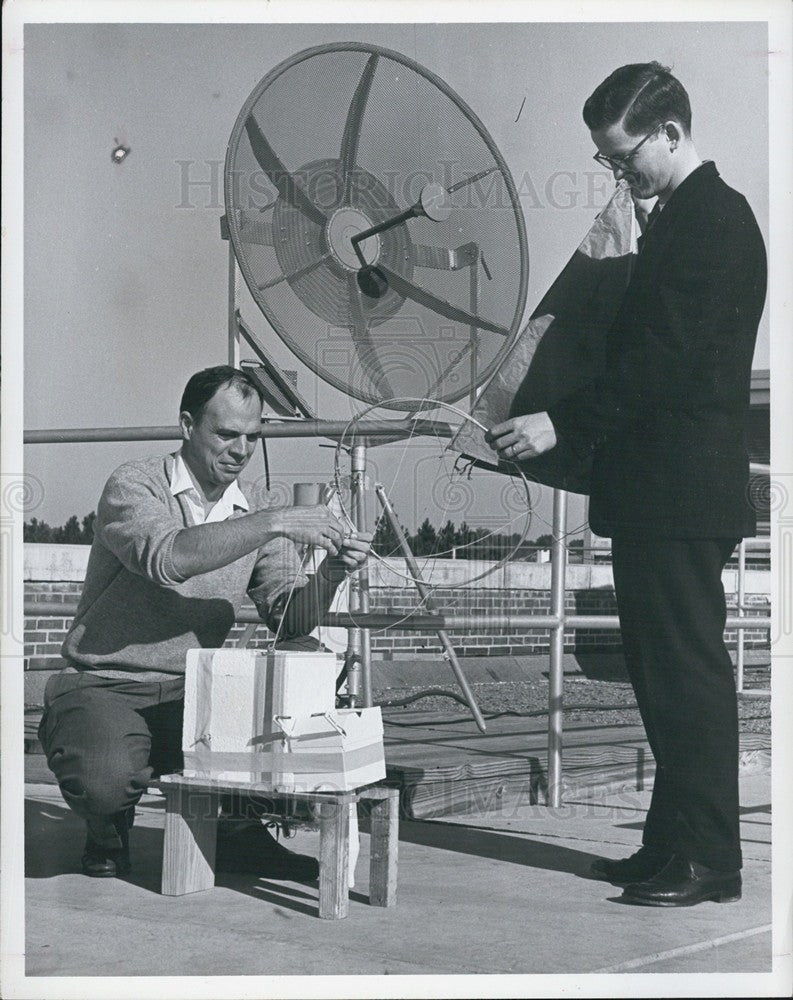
[{"x": 300, "y": 241}]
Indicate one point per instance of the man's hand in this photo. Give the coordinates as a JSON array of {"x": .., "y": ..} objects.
[
  {"x": 353, "y": 553},
  {"x": 315, "y": 525},
  {"x": 522, "y": 437},
  {"x": 202, "y": 548}
]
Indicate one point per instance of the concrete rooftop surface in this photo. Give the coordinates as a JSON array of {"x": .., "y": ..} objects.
[{"x": 502, "y": 893}]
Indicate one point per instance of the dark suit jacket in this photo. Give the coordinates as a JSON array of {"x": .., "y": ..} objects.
[{"x": 665, "y": 422}]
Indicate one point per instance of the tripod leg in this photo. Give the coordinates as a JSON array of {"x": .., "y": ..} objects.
[{"x": 424, "y": 591}]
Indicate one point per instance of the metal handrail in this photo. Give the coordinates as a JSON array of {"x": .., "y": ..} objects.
[
  {"x": 421, "y": 622},
  {"x": 271, "y": 428}
]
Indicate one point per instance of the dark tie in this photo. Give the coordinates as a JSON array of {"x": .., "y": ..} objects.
[{"x": 656, "y": 211}]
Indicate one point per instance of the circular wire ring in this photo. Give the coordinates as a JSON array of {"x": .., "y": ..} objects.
[{"x": 426, "y": 404}]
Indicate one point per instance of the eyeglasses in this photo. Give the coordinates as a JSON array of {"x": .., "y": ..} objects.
[{"x": 620, "y": 162}]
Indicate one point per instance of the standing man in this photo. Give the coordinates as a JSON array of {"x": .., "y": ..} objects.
[
  {"x": 665, "y": 425},
  {"x": 178, "y": 542}
]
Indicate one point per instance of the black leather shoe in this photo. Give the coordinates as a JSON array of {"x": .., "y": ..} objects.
[
  {"x": 109, "y": 862},
  {"x": 644, "y": 864},
  {"x": 103, "y": 862},
  {"x": 251, "y": 848},
  {"x": 685, "y": 883}
]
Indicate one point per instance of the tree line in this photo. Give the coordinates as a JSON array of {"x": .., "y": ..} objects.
[
  {"x": 71, "y": 533},
  {"x": 450, "y": 541},
  {"x": 463, "y": 542}
]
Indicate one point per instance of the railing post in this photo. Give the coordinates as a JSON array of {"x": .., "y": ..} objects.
[
  {"x": 359, "y": 648},
  {"x": 555, "y": 678},
  {"x": 740, "y": 612}
]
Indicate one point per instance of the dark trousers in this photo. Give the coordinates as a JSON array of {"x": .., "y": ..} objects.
[
  {"x": 672, "y": 613},
  {"x": 106, "y": 739}
]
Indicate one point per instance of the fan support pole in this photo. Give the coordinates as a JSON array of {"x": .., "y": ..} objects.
[
  {"x": 359, "y": 645},
  {"x": 473, "y": 305},
  {"x": 233, "y": 326},
  {"x": 448, "y": 650}
]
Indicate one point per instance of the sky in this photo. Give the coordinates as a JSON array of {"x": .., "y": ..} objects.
[{"x": 125, "y": 274}]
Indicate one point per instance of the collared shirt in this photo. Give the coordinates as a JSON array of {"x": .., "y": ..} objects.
[
  {"x": 182, "y": 482},
  {"x": 138, "y": 614}
]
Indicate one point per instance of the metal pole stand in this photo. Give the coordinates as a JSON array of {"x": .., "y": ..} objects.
[
  {"x": 556, "y": 668},
  {"x": 358, "y": 658}
]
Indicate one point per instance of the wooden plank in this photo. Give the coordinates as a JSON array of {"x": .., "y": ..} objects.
[
  {"x": 334, "y": 844},
  {"x": 445, "y": 770},
  {"x": 167, "y": 781},
  {"x": 424, "y": 757},
  {"x": 378, "y": 792},
  {"x": 423, "y": 763},
  {"x": 32, "y": 720},
  {"x": 384, "y": 845},
  {"x": 190, "y": 838},
  {"x": 428, "y": 800},
  {"x": 508, "y": 794}
]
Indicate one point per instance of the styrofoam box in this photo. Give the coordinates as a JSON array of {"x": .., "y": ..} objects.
[
  {"x": 269, "y": 719},
  {"x": 232, "y": 695}
]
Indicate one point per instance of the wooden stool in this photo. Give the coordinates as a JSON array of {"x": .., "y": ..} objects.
[{"x": 191, "y": 829}]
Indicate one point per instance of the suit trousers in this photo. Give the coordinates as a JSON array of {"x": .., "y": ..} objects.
[
  {"x": 105, "y": 739},
  {"x": 672, "y": 612}
]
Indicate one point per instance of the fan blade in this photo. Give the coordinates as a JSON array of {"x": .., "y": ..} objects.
[
  {"x": 442, "y": 258},
  {"x": 464, "y": 350},
  {"x": 410, "y": 291},
  {"x": 257, "y": 230},
  {"x": 364, "y": 346},
  {"x": 352, "y": 127},
  {"x": 470, "y": 180},
  {"x": 299, "y": 273},
  {"x": 287, "y": 186}
]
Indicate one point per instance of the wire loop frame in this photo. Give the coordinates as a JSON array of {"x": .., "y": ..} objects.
[{"x": 424, "y": 405}]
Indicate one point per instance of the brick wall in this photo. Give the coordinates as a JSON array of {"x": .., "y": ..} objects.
[
  {"x": 44, "y": 634},
  {"x": 513, "y": 589}
]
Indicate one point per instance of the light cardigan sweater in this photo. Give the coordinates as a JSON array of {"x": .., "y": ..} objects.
[{"x": 137, "y": 616}]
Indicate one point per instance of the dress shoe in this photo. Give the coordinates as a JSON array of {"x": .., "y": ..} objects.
[
  {"x": 685, "y": 883},
  {"x": 104, "y": 862},
  {"x": 644, "y": 864},
  {"x": 110, "y": 858},
  {"x": 251, "y": 848}
]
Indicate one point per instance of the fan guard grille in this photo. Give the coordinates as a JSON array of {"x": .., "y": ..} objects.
[{"x": 344, "y": 137}]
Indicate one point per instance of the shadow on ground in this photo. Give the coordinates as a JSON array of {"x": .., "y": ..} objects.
[
  {"x": 497, "y": 846},
  {"x": 55, "y": 838}
]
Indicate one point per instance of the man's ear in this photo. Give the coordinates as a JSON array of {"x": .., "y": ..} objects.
[
  {"x": 674, "y": 133},
  {"x": 187, "y": 424}
]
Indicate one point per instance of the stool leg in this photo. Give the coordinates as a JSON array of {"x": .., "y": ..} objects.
[
  {"x": 191, "y": 819},
  {"x": 334, "y": 856},
  {"x": 384, "y": 841}
]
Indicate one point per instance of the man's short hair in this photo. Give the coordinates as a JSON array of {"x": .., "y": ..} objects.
[
  {"x": 202, "y": 386},
  {"x": 640, "y": 96}
]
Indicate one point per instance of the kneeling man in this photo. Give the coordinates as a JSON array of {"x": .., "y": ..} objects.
[{"x": 179, "y": 542}]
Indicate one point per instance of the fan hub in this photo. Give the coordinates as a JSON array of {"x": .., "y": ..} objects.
[{"x": 345, "y": 223}]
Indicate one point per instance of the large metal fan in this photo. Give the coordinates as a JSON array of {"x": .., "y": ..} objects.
[{"x": 376, "y": 225}]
